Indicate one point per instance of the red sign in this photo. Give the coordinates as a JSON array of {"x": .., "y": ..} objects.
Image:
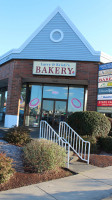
[{"x": 104, "y": 103}]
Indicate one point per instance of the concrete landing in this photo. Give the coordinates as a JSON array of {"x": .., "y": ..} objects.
[{"x": 80, "y": 167}]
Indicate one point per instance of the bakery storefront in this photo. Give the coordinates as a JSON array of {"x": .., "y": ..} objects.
[
  {"x": 53, "y": 74},
  {"x": 51, "y": 102}
]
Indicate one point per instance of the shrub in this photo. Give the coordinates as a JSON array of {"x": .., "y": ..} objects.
[
  {"x": 18, "y": 135},
  {"x": 105, "y": 143},
  {"x": 94, "y": 146},
  {"x": 41, "y": 155},
  {"x": 110, "y": 133},
  {"x": 89, "y": 123},
  {"x": 6, "y": 170}
]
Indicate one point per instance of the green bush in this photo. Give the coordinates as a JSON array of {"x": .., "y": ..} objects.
[
  {"x": 94, "y": 146},
  {"x": 89, "y": 123},
  {"x": 18, "y": 135},
  {"x": 41, "y": 155},
  {"x": 105, "y": 143},
  {"x": 6, "y": 170}
]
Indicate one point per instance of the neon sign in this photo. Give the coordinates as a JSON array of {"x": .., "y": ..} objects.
[
  {"x": 77, "y": 101},
  {"x": 31, "y": 105}
]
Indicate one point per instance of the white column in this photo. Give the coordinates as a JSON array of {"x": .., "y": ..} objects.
[{"x": 11, "y": 120}]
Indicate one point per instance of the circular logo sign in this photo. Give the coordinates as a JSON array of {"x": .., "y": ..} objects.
[
  {"x": 73, "y": 103},
  {"x": 34, "y": 103}
]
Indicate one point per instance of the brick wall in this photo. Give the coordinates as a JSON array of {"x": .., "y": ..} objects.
[{"x": 17, "y": 70}]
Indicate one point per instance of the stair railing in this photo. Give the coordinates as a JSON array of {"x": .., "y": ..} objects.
[
  {"x": 47, "y": 132},
  {"x": 77, "y": 144}
]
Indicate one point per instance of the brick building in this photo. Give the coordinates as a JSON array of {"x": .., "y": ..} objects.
[{"x": 54, "y": 73}]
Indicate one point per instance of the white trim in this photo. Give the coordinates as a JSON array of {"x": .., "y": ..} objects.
[
  {"x": 7, "y": 53},
  {"x": 105, "y": 58},
  {"x": 61, "y": 35},
  {"x": 11, "y": 120}
]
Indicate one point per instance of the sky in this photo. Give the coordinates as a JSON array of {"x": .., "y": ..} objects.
[{"x": 20, "y": 18}]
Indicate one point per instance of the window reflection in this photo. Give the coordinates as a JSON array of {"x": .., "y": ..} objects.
[
  {"x": 75, "y": 100},
  {"x": 33, "y": 118},
  {"x": 55, "y": 100},
  {"x": 3, "y": 102},
  {"x": 22, "y": 105},
  {"x": 54, "y": 92}
]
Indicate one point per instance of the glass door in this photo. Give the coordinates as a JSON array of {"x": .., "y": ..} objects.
[
  {"x": 59, "y": 112},
  {"x": 48, "y": 111},
  {"x": 54, "y": 111}
]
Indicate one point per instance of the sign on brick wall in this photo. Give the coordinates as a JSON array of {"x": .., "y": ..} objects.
[
  {"x": 104, "y": 97},
  {"x": 104, "y": 103},
  {"x": 54, "y": 68}
]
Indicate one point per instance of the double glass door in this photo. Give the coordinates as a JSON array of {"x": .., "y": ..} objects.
[{"x": 54, "y": 111}]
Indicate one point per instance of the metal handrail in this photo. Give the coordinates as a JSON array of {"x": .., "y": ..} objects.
[
  {"x": 77, "y": 144},
  {"x": 67, "y": 138},
  {"x": 47, "y": 132}
]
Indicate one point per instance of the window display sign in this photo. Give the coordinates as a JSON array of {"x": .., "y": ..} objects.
[
  {"x": 34, "y": 103},
  {"x": 104, "y": 103},
  {"x": 54, "y": 68}
]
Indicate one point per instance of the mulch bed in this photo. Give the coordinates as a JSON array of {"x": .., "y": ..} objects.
[
  {"x": 101, "y": 160},
  {"x": 24, "y": 179}
]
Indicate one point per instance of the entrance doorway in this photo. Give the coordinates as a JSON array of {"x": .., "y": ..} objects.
[{"x": 54, "y": 111}]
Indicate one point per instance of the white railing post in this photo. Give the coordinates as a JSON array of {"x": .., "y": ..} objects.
[
  {"x": 68, "y": 155},
  {"x": 59, "y": 128},
  {"x": 40, "y": 131},
  {"x": 88, "y": 153}
]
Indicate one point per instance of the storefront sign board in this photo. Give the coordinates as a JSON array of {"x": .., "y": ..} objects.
[
  {"x": 54, "y": 68},
  {"x": 104, "y": 103},
  {"x": 105, "y": 72},
  {"x": 105, "y": 66},
  {"x": 105, "y": 78},
  {"x": 104, "y": 109},
  {"x": 105, "y": 90},
  {"x": 104, "y": 97},
  {"x": 104, "y": 84}
]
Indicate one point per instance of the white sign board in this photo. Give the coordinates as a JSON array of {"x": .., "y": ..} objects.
[
  {"x": 104, "y": 84},
  {"x": 105, "y": 78},
  {"x": 105, "y": 97},
  {"x": 105, "y": 72},
  {"x": 54, "y": 68}
]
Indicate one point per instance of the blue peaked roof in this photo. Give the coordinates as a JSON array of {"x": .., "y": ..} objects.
[{"x": 56, "y": 39}]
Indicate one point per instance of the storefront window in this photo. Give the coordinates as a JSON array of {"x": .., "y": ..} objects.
[
  {"x": 22, "y": 105},
  {"x": 34, "y": 106},
  {"x": 54, "y": 92},
  {"x": 75, "y": 100},
  {"x": 3, "y": 101},
  {"x": 54, "y": 106}
]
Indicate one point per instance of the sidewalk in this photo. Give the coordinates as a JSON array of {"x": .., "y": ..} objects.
[{"x": 93, "y": 184}]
